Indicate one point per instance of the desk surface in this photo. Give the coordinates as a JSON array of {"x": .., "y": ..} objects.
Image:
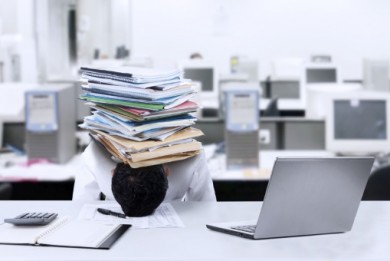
[{"x": 369, "y": 238}]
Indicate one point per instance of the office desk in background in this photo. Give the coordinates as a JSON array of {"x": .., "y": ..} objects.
[
  {"x": 369, "y": 238},
  {"x": 39, "y": 181},
  {"x": 250, "y": 184},
  {"x": 278, "y": 133},
  {"x": 218, "y": 170},
  {"x": 64, "y": 182},
  {"x": 243, "y": 185}
]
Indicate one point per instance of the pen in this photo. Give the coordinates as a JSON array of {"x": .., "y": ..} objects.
[{"x": 111, "y": 213}]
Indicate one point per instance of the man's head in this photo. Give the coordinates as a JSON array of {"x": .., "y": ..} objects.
[{"x": 139, "y": 191}]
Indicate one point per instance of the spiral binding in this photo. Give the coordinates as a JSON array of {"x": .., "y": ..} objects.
[{"x": 52, "y": 227}]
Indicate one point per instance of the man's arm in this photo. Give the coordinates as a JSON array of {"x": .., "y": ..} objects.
[
  {"x": 87, "y": 192},
  {"x": 201, "y": 187},
  {"x": 99, "y": 163}
]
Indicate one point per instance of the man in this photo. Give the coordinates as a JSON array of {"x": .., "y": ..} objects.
[{"x": 187, "y": 180}]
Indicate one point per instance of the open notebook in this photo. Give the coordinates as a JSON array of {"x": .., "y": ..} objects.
[{"x": 64, "y": 232}]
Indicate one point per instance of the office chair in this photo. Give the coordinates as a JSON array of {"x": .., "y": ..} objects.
[
  {"x": 5, "y": 191},
  {"x": 272, "y": 109},
  {"x": 240, "y": 190},
  {"x": 378, "y": 185}
]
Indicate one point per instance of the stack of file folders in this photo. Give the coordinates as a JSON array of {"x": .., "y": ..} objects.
[{"x": 141, "y": 116}]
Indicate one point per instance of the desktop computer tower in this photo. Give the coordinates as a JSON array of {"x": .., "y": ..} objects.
[
  {"x": 242, "y": 125},
  {"x": 51, "y": 122},
  {"x": 81, "y": 109}
]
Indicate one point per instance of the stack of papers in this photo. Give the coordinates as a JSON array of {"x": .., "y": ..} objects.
[{"x": 141, "y": 116}]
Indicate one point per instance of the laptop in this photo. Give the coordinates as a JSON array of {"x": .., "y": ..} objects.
[{"x": 307, "y": 196}]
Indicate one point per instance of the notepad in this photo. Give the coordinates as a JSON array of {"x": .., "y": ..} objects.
[
  {"x": 64, "y": 232},
  {"x": 138, "y": 93},
  {"x": 133, "y": 75},
  {"x": 144, "y": 115}
]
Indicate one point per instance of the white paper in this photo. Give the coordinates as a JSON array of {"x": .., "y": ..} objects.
[{"x": 164, "y": 216}]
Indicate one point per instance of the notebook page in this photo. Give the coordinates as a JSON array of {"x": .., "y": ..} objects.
[
  {"x": 11, "y": 234},
  {"x": 78, "y": 233}
]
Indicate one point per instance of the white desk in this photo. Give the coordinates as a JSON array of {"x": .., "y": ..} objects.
[
  {"x": 40, "y": 180},
  {"x": 19, "y": 170},
  {"x": 15, "y": 167},
  {"x": 369, "y": 238}
]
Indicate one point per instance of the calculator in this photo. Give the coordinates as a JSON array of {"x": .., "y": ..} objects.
[{"x": 32, "y": 219}]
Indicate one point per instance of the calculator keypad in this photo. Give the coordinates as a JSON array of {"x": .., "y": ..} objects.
[{"x": 32, "y": 219}]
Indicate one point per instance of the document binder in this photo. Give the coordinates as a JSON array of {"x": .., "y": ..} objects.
[{"x": 64, "y": 232}]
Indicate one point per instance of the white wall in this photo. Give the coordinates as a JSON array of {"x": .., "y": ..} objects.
[
  {"x": 18, "y": 38},
  {"x": 103, "y": 25},
  {"x": 8, "y": 15},
  {"x": 120, "y": 24},
  {"x": 348, "y": 30},
  {"x": 27, "y": 48},
  {"x": 94, "y": 28}
]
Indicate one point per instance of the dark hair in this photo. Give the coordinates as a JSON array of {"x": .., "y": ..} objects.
[
  {"x": 139, "y": 191},
  {"x": 196, "y": 56}
]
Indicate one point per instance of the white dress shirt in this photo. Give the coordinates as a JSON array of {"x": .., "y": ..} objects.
[{"x": 188, "y": 179}]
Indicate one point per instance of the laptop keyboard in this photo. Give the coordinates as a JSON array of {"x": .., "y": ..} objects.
[{"x": 248, "y": 228}]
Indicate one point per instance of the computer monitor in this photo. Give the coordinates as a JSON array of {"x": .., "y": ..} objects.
[
  {"x": 286, "y": 84},
  {"x": 286, "y": 68},
  {"x": 12, "y": 101},
  {"x": 358, "y": 123},
  {"x": 290, "y": 93},
  {"x": 317, "y": 94},
  {"x": 285, "y": 89},
  {"x": 321, "y": 73},
  {"x": 246, "y": 67},
  {"x": 14, "y": 135},
  {"x": 205, "y": 74},
  {"x": 12, "y": 107},
  {"x": 376, "y": 75}
]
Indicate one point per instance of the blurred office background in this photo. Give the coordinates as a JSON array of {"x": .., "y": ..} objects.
[{"x": 320, "y": 70}]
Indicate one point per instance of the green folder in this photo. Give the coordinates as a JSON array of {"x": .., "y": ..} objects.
[{"x": 138, "y": 105}]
